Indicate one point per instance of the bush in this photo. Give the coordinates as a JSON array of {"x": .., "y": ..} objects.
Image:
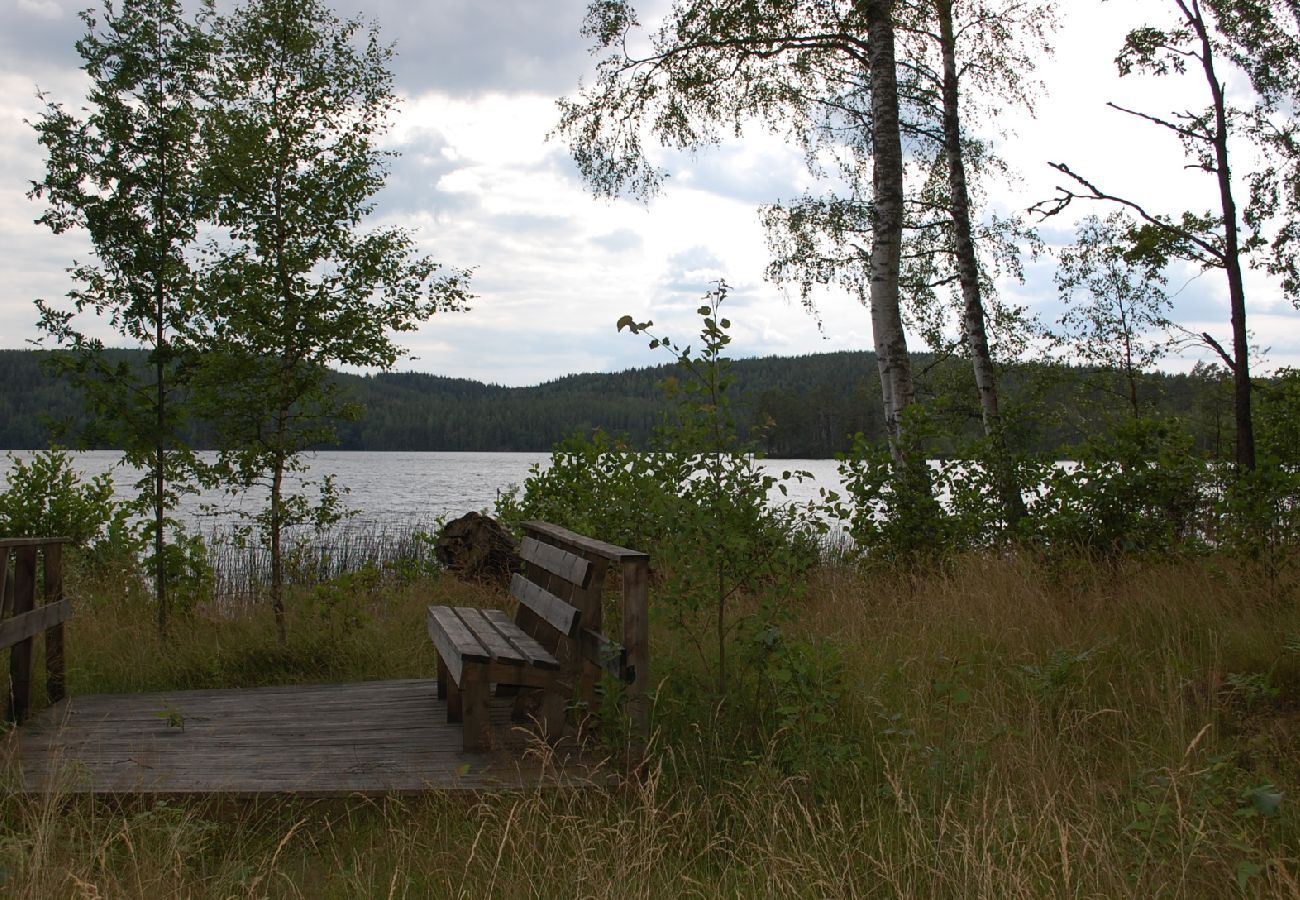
[
  {"x": 1138, "y": 490},
  {"x": 697, "y": 502},
  {"x": 47, "y": 498}
]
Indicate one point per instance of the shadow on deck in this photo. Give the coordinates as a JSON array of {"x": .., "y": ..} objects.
[{"x": 373, "y": 738}]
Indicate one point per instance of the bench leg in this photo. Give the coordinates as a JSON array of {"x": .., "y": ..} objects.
[
  {"x": 477, "y": 716},
  {"x": 444, "y": 676},
  {"x": 454, "y": 705},
  {"x": 550, "y": 715}
]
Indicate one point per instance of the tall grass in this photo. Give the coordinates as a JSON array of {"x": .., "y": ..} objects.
[{"x": 1002, "y": 728}]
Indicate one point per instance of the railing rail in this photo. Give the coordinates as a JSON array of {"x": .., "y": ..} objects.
[{"x": 22, "y": 620}]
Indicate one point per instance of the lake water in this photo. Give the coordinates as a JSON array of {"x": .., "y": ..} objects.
[{"x": 404, "y": 489}]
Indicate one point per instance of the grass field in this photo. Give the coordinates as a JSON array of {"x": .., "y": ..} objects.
[{"x": 1001, "y": 728}]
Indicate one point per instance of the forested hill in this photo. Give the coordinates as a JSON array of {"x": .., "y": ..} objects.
[{"x": 804, "y": 406}]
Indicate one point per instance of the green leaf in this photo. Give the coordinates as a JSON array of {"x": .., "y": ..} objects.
[{"x": 1246, "y": 870}]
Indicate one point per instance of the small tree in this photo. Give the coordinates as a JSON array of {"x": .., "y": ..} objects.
[
  {"x": 295, "y": 284},
  {"x": 126, "y": 174},
  {"x": 1121, "y": 323},
  {"x": 721, "y": 538}
]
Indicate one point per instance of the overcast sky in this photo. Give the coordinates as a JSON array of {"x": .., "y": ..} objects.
[{"x": 555, "y": 269}]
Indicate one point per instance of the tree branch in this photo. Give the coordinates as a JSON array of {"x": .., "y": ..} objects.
[
  {"x": 1047, "y": 208},
  {"x": 1172, "y": 126}
]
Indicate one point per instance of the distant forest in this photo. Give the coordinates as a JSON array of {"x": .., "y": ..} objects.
[{"x": 803, "y": 406}]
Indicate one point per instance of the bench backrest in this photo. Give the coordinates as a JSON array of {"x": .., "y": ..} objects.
[
  {"x": 541, "y": 595},
  {"x": 571, "y": 568}
]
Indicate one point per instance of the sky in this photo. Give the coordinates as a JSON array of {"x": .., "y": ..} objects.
[{"x": 479, "y": 185}]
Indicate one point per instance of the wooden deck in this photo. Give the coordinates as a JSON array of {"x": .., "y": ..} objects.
[{"x": 318, "y": 740}]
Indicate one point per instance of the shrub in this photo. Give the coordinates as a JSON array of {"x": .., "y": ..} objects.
[
  {"x": 1138, "y": 490},
  {"x": 697, "y": 502},
  {"x": 46, "y": 497}
]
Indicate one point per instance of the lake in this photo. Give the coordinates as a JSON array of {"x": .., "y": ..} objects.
[{"x": 404, "y": 489}]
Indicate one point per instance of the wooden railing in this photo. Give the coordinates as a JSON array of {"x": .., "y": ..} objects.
[
  {"x": 631, "y": 661},
  {"x": 21, "y": 620}
]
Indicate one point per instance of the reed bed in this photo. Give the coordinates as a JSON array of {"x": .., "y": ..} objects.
[
  {"x": 241, "y": 569},
  {"x": 1001, "y": 728}
]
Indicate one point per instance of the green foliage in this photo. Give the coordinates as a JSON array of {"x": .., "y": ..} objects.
[
  {"x": 1122, "y": 323},
  {"x": 800, "y": 686},
  {"x": 890, "y": 524},
  {"x": 596, "y": 485},
  {"x": 1250, "y": 689},
  {"x": 1057, "y": 675},
  {"x": 698, "y": 501},
  {"x": 295, "y": 284},
  {"x": 341, "y": 606},
  {"x": 46, "y": 497},
  {"x": 124, "y": 169},
  {"x": 1279, "y": 418},
  {"x": 1137, "y": 490},
  {"x": 187, "y": 567}
]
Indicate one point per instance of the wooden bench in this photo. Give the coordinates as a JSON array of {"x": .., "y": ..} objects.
[
  {"x": 554, "y": 645},
  {"x": 21, "y": 619}
]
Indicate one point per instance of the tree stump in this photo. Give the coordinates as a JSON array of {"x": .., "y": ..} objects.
[{"x": 477, "y": 548}]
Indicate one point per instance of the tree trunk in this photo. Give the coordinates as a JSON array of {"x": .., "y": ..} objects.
[
  {"x": 1231, "y": 249},
  {"x": 897, "y": 388},
  {"x": 160, "y": 361},
  {"x": 973, "y": 318},
  {"x": 277, "y": 551}
]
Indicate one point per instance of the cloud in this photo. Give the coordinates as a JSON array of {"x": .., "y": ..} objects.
[
  {"x": 758, "y": 170},
  {"x": 620, "y": 240},
  {"x": 469, "y": 48}
]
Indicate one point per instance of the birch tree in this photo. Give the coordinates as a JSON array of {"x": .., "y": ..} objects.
[
  {"x": 125, "y": 173},
  {"x": 716, "y": 68},
  {"x": 814, "y": 71},
  {"x": 956, "y": 54},
  {"x": 295, "y": 283}
]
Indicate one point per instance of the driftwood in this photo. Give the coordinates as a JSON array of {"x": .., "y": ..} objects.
[{"x": 477, "y": 548}]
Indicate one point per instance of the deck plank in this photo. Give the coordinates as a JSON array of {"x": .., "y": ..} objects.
[{"x": 370, "y": 738}]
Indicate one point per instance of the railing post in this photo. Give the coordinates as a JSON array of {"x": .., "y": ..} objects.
[
  {"x": 20, "y": 658},
  {"x": 54, "y": 666},
  {"x": 6, "y": 584},
  {"x": 636, "y": 638}
]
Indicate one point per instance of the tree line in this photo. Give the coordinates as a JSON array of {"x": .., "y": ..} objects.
[{"x": 807, "y": 406}]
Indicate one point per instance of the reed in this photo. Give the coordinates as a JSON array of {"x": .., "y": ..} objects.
[{"x": 241, "y": 568}]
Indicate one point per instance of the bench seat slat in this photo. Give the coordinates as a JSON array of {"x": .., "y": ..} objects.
[
  {"x": 560, "y": 615},
  {"x": 569, "y": 566},
  {"x": 491, "y": 638},
  {"x": 456, "y": 644},
  {"x": 534, "y": 652}
]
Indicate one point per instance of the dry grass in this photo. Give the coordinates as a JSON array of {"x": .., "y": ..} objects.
[{"x": 1005, "y": 730}]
